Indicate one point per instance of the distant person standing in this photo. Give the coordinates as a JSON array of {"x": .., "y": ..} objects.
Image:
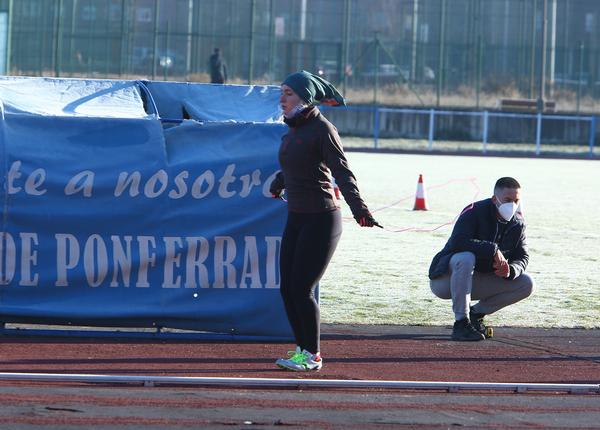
[{"x": 218, "y": 68}]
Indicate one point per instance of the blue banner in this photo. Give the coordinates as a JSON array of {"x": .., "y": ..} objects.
[{"x": 117, "y": 222}]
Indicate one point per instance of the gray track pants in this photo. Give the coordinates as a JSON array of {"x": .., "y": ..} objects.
[{"x": 462, "y": 283}]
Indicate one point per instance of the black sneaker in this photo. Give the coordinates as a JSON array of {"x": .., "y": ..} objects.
[
  {"x": 463, "y": 331},
  {"x": 477, "y": 322}
]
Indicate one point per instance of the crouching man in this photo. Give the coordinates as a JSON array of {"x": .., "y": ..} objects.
[{"x": 485, "y": 259}]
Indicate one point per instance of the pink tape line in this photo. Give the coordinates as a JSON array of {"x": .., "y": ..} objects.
[{"x": 472, "y": 181}]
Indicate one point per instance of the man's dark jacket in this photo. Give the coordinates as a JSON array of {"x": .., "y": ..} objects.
[
  {"x": 476, "y": 231},
  {"x": 218, "y": 69}
]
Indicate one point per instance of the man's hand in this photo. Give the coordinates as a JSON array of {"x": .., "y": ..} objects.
[
  {"x": 501, "y": 267},
  {"x": 503, "y": 271},
  {"x": 498, "y": 259}
]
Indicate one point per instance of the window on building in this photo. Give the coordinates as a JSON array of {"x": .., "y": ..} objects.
[
  {"x": 144, "y": 14},
  {"x": 31, "y": 9},
  {"x": 279, "y": 26},
  {"x": 589, "y": 22},
  {"x": 424, "y": 33},
  {"x": 88, "y": 13},
  {"x": 114, "y": 12}
]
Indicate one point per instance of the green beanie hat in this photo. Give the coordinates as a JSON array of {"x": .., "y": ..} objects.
[{"x": 314, "y": 89}]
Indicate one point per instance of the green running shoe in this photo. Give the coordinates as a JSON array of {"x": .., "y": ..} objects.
[
  {"x": 302, "y": 362},
  {"x": 291, "y": 355}
]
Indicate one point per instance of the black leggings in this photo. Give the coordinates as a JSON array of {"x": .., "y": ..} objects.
[{"x": 307, "y": 245}]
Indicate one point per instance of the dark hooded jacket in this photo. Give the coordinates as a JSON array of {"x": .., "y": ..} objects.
[
  {"x": 478, "y": 230},
  {"x": 310, "y": 154},
  {"x": 218, "y": 69}
]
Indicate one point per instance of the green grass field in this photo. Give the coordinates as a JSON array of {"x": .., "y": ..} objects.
[{"x": 380, "y": 277}]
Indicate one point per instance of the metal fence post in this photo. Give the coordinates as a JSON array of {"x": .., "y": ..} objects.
[
  {"x": 538, "y": 134},
  {"x": 580, "y": 77},
  {"x": 57, "y": 54},
  {"x": 592, "y": 134},
  {"x": 272, "y": 40},
  {"x": 345, "y": 44},
  {"x": 441, "y": 53},
  {"x": 166, "y": 65},
  {"x": 376, "y": 127},
  {"x": 431, "y": 127},
  {"x": 251, "y": 47},
  {"x": 122, "y": 45},
  {"x": 189, "y": 39},
  {"x": 9, "y": 36},
  {"x": 155, "y": 38},
  {"x": 485, "y": 130}
]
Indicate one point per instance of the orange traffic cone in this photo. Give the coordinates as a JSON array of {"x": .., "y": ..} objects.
[{"x": 421, "y": 198}]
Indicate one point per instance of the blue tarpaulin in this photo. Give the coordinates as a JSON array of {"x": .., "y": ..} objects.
[
  {"x": 110, "y": 219},
  {"x": 214, "y": 102}
]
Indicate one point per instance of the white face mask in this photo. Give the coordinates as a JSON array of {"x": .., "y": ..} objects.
[
  {"x": 295, "y": 110},
  {"x": 507, "y": 210}
]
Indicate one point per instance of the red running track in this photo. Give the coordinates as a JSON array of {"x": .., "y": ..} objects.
[{"x": 350, "y": 352}]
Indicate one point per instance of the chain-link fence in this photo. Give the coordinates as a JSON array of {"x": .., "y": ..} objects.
[{"x": 470, "y": 53}]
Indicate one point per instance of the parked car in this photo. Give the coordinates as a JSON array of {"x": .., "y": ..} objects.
[
  {"x": 328, "y": 69},
  {"x": 394, "y": 74},
  {"x": 169, "y": 61},
  {"x": 388, "y": 74}
]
